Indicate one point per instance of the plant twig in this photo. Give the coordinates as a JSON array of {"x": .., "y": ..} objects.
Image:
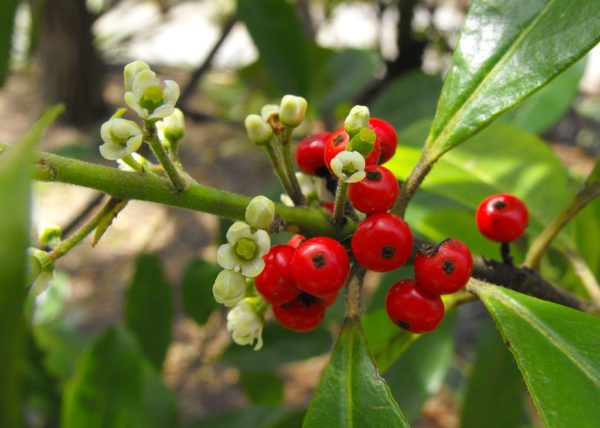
[
  {"x": 544, "y": 239},
  {"x": 286, "y": 155},
  {"x": 82, "y": 215},
  {"x": 353, "y": 292},
  {"x": 505, "y": 253},
  {"x": 339, "y": 207},
  {"x": 161, "y": 155},
  {"x": 412, "y": 183}
]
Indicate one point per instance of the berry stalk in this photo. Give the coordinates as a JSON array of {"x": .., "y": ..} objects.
[
  {"x": 341, "y": 194},
  {"x": 164, "y": 159}
]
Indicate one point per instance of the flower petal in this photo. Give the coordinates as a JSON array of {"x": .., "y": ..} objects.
[
  {"x": 171, "y": 92},
  {"x": 162, "y": 112},
  {"x": 262, "y": 241},
  {"x": 238, "y": 230},
  {"x": 226, "y": 259},
  {"x": 253, "y": 268},
  {"x": 143, "y": 80},
  {"x": 112, "y": 151}
]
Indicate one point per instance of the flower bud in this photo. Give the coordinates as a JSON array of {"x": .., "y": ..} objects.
[
  {"x": 130, "y": 72},
  {"x": 171, "y": 128},
  {"x": 49, "y": 235},
  {"x": 245, "y": 324},
  {"x": 260, "y": 212},
  {"x": 268, "y": 111},
  {"x": 229, "y": 288},
  {"x": 259, "y": 131},
  {"x": 292, "y": 110},
  {"x": 357, "y": 119},
  {"x": 121, "y": 137},
  {"x": 349, "y": 167},
  {"x": 145, "y": 95}
]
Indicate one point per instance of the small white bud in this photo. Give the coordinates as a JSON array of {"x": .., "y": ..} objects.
[
  {"x": 171, "y": 128},
  {"x": 268, "y": 111},
  {"x": 259, "y": 131},
  {"x": 229, "y": 288},
  {"x": 245, "y": 325},
  {"x": 292, "y": 110},
  {"x": 260, "y": 212},
  {"x": 49, "y": 235},
  {"x": 357, "y": 119},
  {"x": 121, "y": 137},
  {"x": 349, "y": 166}
]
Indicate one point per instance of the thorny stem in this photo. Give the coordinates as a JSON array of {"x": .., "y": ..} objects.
[
  {"x": 353, "y": 291},
  {"x": 544, "y": 239},
  {"x": 164, "y": 159},
  {"x": 412, "y": 183},
  {"x": 66, "y": 245},
  {"x": 339, "y": 206}
]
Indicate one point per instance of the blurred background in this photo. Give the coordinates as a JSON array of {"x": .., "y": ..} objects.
[{"x": 229, "y": 59}]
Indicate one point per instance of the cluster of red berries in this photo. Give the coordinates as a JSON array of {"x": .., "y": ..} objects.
[{"x": 302, "y": 279}]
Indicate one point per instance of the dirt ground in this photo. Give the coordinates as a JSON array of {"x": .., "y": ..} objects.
[{"x": 214, "y": 154}]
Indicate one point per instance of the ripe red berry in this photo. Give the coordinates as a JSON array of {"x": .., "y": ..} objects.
[
  {"x": 320, "y": 266},
  {"x": 444, "y": 268},
  {"x": 413, "y": 308},
  {"x": 309, "y": 154},
  {"x": 275, "y": 283},
  {"x": 376, "y": 193},
  {"x": 329, "y": 206},
  {"x": 329, "y": 299},
  {"x": 388, "y": 139},
  {"x": 296, "y": 240},
  {"x": 337, "y": 142},
  {"x": 382, "y": 242},
  {"x": 502, "y": 217},
  {"x": 303, "y": 313}
]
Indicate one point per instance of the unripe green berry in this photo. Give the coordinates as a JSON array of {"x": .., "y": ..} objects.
[
  {"x": 259, "y": 131},
  {"x": 357, "y": 119},
  {"x": 292, "y": 110}
]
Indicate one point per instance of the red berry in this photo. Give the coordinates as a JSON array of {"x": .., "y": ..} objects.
[
  {"x": 413, "y": 308},
  {"x": 502, "y": 217},
  {"x": 382, "y": 242},
  {"x": 320, "y": 266},
  {"x": 303, "y": 313},
  {"x": 445, "y": 268},
  {"x": 329, "y": 299},
  {"x": 327, "y": 205},
  {"x": 309, "y": 154},
  {"x": 275, "y": 283},
  {"x": 376, "y": 193},
  {"x": 337, "y": 142},
  {"x": 388, "y": 140},
  {"x": 296, "y": 240}
]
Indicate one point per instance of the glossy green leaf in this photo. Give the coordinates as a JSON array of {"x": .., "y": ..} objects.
[
  {"x": 262, "y": 387},
  {"x": 556, "y": 349},
  {"x": 280, "y": 346},
  {"x": 8, "y": 10},
  {"x": 420, "y": 372},
  {"x": 196, "y": 290},
  {"x": 351, "y": 392},
  {"x": 149, "y": 308},
  {"x": 544, "y": 108},
  {"x": 116, "y": 387},
  {"x": 495, "y": 390},
  {"x": 507, "y": 50},
  {"x": 16, "y": 166},
  {"x": 407, "y": 99},
  {"x": 276, "y": 32}
]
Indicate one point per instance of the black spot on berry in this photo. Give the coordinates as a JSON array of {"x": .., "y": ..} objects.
[
  {"x": 388, "y": 252},
  {"x": 403, "y": 324},
  {"x": 499, "y": 205},
  {"x": 338, "y": 140},
  {"x": 374, "y": 176},
  {"x": 319, "y": 260},
  {"x": 448, "y": 267},
  {"x": 308, "y": 299}
]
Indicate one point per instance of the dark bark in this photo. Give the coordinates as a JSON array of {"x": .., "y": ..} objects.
[{"x": 71, "y": 69}]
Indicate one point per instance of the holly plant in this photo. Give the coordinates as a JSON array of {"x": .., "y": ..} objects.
[{"x": 400, "y": 224}]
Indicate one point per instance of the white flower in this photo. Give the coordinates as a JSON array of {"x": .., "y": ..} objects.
[
  {"x": 292, "y": 110},
  {"x": 357, "y": 119},
  {"x": 260, "y": 212},
  {"x": 171, "y": 128},
  {"x": 245, "y": 325},
  {"x": 245, "y": 250},
  {"x": 146, "y": 97},
  {"x": 269, "y": 110},
  {"x": 121, "y": 138},
  {"x": 229, "y": 288},
  {"x": 349, "y": 166},
  {"x": 259, "y": 131},
  {"x": 130, "y": 72}
]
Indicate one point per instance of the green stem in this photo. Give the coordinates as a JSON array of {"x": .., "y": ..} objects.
[
  {"x": 541, "y": 243},
  {"x": 414, "y": 180},
  {"x": 164, "y": 159},
  {"x": 145, "y": 187},
  {"x": 135, "y": 165},
  {"x": 278, "y": 167},
  {"x": 340, "y": 202},
  {"x": 66, "y": 245},
  {"x": 297, "y": 195}
]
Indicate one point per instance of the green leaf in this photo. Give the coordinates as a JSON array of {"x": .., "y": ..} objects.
[
  {"x": 280, "y": 346},
  {"x": 407, "y": 99},
  {"x": 262, "y": 387},
  {"x": 421, "y": 370},
  {"x": 16, "y": 166},
  {"x": 116, "y": 387},
  {"x": 8, "y": 9},
  {"x": 351, "y": 392},
  {"x": 277, "y": 34},
  {"x": 556, "y": 349},
  {"x": 149, "y": 308},
  {"x": 507, "y": 50},
  {"x": 544, "y": 108},
  {"x": 196, "y": 290},
  {"x": 495, "y": 391}
]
